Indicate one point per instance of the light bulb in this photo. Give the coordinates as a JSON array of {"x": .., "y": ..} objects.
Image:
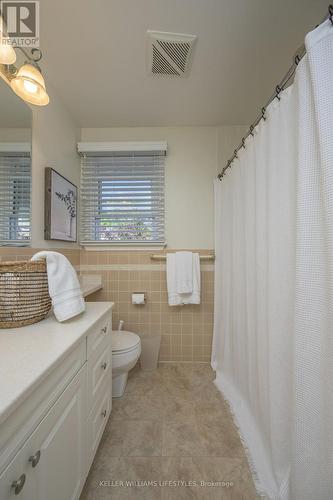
[{"x": 30, "y": 86}]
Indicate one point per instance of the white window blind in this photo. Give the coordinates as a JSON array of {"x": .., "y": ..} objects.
[
  {"x": 15, "y": 188},
  {"x": 122, "y": 197}
]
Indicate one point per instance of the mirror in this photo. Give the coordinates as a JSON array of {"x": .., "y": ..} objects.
[{"x": 15, "y": 169}]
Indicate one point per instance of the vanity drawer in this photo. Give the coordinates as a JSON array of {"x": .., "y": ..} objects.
[
  {"x": 99, "y": 370},
  {"x": 98, "y": 333},
  {"x": 97, "y": 420}
]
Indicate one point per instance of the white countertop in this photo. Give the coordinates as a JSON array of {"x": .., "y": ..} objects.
[{"x": 30, "y": 353}]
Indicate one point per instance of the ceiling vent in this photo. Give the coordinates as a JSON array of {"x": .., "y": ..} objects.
[{"x": 169, "y": 53}]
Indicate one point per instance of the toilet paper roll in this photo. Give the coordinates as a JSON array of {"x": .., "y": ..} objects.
[{"x": 138, "y": 298}]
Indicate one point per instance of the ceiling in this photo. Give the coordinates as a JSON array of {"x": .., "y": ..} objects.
[{"x": 94, "y": 55}]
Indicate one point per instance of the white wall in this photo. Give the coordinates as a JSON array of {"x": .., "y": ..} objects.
[
  {"x": 15, "y": 134},
  {"x": 195, "y": 155},
  {"x": 54, "y": 138}
]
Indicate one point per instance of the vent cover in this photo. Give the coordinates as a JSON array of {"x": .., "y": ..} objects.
[{"x": 169, "y": 53}]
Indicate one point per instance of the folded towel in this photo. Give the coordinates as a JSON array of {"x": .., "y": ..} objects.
[
  {"x": 64, "y": 286},
  {"x": 175, "y": 298},
  {"x": 184, "y": 275}
]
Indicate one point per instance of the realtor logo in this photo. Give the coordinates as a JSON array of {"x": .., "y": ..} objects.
[{"x": 21, "y": 20}]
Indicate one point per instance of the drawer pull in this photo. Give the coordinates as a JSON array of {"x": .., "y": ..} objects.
[
  {"x": 34, "y": 459},
  {"x": 104, "y": 329},
  {"x": 18, "y": 484},
  {"x": 104, "y": 413},
  {"x": 104, "y": 365}
]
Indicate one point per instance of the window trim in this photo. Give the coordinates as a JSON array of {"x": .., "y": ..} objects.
[
  {"x": 103, "y": 149},
  {"x": 121, "y": 147}
]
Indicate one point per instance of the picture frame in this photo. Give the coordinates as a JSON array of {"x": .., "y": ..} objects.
[{"x": 60, "y": 217}]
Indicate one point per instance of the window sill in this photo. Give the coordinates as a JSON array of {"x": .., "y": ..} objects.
[{"x": 121, "y": 247}]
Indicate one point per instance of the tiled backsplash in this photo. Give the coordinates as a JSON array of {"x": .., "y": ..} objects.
[
  {"x": 186, "y": 330},
  {"x": 25, "y": 253}
]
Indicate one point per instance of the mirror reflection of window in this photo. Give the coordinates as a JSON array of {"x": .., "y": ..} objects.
[
  {"x": 15, "y": 169},
  {"x": 15, "y": 202}
]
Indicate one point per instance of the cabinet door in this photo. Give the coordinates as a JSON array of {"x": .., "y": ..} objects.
[
  {"x": 51, "y": 464},
  {"x": 59, "y": 445},
  {"x": 15, "y": 481}
]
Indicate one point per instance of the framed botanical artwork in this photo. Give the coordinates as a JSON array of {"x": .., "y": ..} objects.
[{"x": 60, "y": 207}]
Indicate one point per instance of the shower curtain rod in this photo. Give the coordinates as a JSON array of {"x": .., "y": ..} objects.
[{"x": 300, "y": 53}]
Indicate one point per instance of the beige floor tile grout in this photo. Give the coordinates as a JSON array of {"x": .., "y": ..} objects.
[{"x": 175, "y": 441}]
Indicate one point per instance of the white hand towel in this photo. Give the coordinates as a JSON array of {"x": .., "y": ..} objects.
[
  {"x": 175, "y": 298},
  {"x": 184, "y": 274},
  {"x": 64, "y": 286}
]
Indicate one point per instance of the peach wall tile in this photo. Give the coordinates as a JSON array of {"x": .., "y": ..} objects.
[
  {"x": 124, "y": 286},
  {"x": 16, "y": 253},
  {"x": 186, "y": 331},
  {"x": 176, "y": 329},
  {"x": 123, "y": 258},
  {"x": 186, "y": 318},
  {"x": 165, "y": 328},
  {"x": 187, "y": 340}
]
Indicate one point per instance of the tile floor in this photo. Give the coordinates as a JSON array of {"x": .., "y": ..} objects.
[{"x": 171, "y": 425}]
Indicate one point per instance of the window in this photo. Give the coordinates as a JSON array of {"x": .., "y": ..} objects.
[
  {"x": 122, "y": 197},
  {"x": 15, "y": 187}
]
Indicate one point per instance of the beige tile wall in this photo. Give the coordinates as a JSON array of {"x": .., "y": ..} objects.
[
  {"x": 24, "y": 253},
  {"x": 186, "y": 330}
]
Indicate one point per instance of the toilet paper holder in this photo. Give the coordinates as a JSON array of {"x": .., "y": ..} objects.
[{"x": 138, "y": 298}]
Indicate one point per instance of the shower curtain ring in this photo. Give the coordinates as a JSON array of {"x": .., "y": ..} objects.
[
  {"x": 263, "y": 113},
  {"x": 243, "y": 142},
  {"x": 251, "y": 130},
  {"x": 297, "y": 60},
  {"x": 330, "y": 12},
  {"x": 235, "y": 153},
  {"x": 278, "y": 91}
]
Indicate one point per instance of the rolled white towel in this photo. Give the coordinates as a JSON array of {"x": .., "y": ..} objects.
[{"x": 64, "y": 286}]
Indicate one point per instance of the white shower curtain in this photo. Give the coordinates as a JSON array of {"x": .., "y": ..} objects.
[{"x": 273, "y": 332}]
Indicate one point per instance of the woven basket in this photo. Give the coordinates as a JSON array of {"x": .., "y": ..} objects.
[{"x": 24, "y": 293}]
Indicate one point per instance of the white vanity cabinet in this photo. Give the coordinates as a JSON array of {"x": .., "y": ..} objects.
[
  {"x": 51, "y": 465},
  {"x": 49, "y": 452}
]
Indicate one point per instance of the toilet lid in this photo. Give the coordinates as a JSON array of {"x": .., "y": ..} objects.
[{"x": 124, "y": 341}]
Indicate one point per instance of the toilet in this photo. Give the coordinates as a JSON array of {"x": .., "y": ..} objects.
[{"x": 126, "y": 350}]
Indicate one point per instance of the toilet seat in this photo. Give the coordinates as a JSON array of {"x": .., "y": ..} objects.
[{"x": 124, "y": 341}]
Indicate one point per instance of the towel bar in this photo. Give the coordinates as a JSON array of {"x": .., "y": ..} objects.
[{"x": 163, "y": 257}]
